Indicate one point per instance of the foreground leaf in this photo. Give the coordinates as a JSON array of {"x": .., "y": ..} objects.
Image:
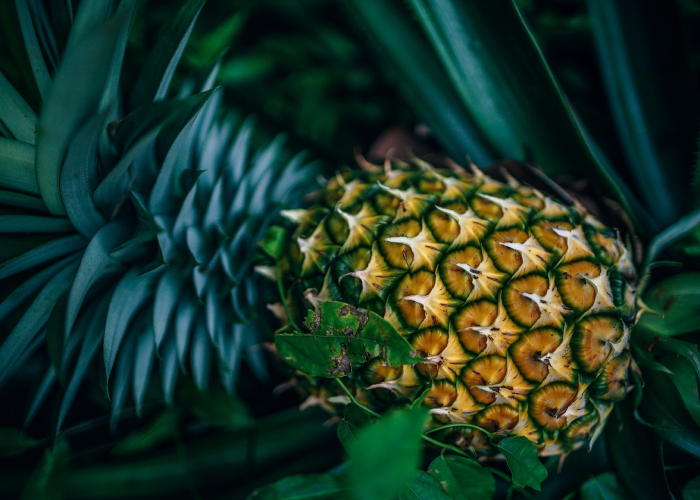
[
  {"x": 308, "y": 487},
  {"x": 46, "y": 483},
  {"x": 342, "y": 334},
  {"x": 462, "y": 478},
  {"x": 349, "y": 427},
  {"x": 523, "y": 462},
  {"x": 424, "y": 487},
  {"x": 678, "y": 300},
  {"x": 13, "y": 442},
  {"x": 603, "y": 487}
]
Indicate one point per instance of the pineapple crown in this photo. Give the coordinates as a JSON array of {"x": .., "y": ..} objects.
[{"x": 131, "y": 219}]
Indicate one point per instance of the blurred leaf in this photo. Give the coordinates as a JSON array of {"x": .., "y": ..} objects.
[
  {"x": 423, "y": 486},
  {"x": 341, "y": 334},
  {"x": 678, "y": 299},
  {"x": 157, "y": 431},
  {"x": 218, "y": 408},
  {"x": 273, "y": 241},
  {"x": 508, "y": 89},
  {"x": 418, "y": 75},
  {"x": 645, "y": 69},
  {"x": 635, "y": 452},
  {"x": 47, "y": 481},
  {"x": 692, "y": 489},
  {"x": 354, "y": 419},
  {"x": 523, "y": 461},
  {"x": 308, "y": 487},
  {"x": 13, "y": 442},
  {"x": 463, "y": 479},
  {"x": 603, "y": 487},
  {"x": 385, "y": 455}
]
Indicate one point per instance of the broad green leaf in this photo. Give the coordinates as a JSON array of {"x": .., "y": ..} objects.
[
  {"x": 418, "y": 75},
  {"x": 153, "y": 82},
  {"x": 47, "y": 481},
  {"x": 35, "y": 317},
  {"x": 15, "y": 113},
  {"x": 13, "y": 442},
  {"x": 17, "y": 166},
  {"x": 273, "y": 242},
  {"x": 603, "y": 487},
  {"x": 678, "y": 300},
  {"x": 671, "y": 235},
  {"x": 423, "y": 486},
  {"x": 307, "y": 487},
  {"x": 635, "y": 452},
  {"x": 523, "y": 462},
  {"x": 686, "y": 380},
  {"x": 75, "y": 96},
  {"x": 340, "y": 335},
  {"x": 691, "y": 491},
  {"x": 462, "y": 478},
  {"x": 42, "y": 254},
  {"x": 157, "y": 431},
  {"x": 354, "y": 419},
  {"x": 385, "y": 455},
  {"x": 645, "y": 91},
  {"x": 131, "y": 293}
]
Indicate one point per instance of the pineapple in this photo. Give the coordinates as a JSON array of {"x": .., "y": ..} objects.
[{"x": 519, "y": 307}]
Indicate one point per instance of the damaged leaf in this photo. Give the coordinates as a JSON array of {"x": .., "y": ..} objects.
[{"x": 340, "y": 335}]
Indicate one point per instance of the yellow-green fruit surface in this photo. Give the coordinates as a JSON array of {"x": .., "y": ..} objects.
[{"x": 519, "y": 306}]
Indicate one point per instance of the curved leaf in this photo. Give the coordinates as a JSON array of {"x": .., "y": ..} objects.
[
  {"x": 670, "y": 235},
  {"x": 463, "y": 479},
  {"x": 34, "y": 224},
  {"x": 42, "y": 254},
  {"x": 423, "y": 486},
  {"x": 15, "y": 113},
  {"x": 17, "y": 166},
  {"x": 603, "y": 487},
  {"x": 523, "y": 462},
  {"x": 678, "y": 300},
  {"x": 19, "y": 200}
]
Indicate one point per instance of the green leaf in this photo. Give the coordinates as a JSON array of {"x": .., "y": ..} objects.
[
  {"x": 386, "y": 454},
  {"x": 47, "y": 481},
  {"x": 423, "y": 486},
  {"x": 523, "y": 462},
  {"x": 418, "y": 75},
  {"x": 354, "y": 419},
  {"x": 603, "y": 487},
  {"x": 671, "y": 235},
  {"x": 635, "y": 452},
  {"x": 342, "y": 334},
  {"x": 13, "y": 442},
  {"x": 686, "y": 380},
  {"x": 463, "y": 479},
  {"x": 507, "y": 88},
  {"x": 159, "y": 430},
  {"x": 75, "y": 96},
  {"x": 692, "y": 489},
  {"x": 17, "y": 166},
  {"x": 153, "y": 82},
  {"x": 219, "y": 408},
  {"x": 307, "y": 487},
  {"x": 32, "y": 48},
  {"x": 273, "y": 242},
  {"x": 42, "y": 254},
  {"x": 678, "y": 299},
  {"x": 645, "y": 91},
  {"x": 15, "y": 113}
]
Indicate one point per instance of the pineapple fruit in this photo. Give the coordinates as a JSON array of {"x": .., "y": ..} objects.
[{"x": 519, "y": 307}]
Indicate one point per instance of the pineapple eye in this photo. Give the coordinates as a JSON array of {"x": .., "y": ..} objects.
[
  {"x": 497, "y": 418},
  {"x": 549, "y": 404},
  {"x": 482, "y": 373}
]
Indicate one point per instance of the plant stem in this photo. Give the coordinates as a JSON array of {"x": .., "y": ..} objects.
[
  {"x": 446, "y": 446},
  {"x": 352, "y": 398},
  {"x": 471, "y": 426}
]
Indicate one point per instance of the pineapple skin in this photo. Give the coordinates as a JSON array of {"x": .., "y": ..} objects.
[{"x": 519, "y": 306}]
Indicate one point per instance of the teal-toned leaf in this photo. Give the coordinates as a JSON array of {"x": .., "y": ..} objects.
[
  {"x": 273, "y": 242},
  {"x": 423, "y": 486},
  {"x": 686, "y": 380},
  {"x": 691, "y": 491},
  {"x": 385, "y": 455},
  {"x": 17, "y": 166},
  {"x": 90, "y": 15},
  {"x": 354, "y": 419},
  {"x": 200, "y": 354},
  {"x": 159, "y": 430},
  {"x": 19, "y": 200},
  {"x": 13, "y": 442},
  {"x": 123, "y": 374},
  {"x": 678, "y": 300},
  {"x": 95, "y": 265},
  {"x": 34, "y": 224},
  {"x": 417, "y": 73},
  {"x": 35, "y": 317},
  {"x": 153, "y": 82},
  {"x": 308, "y": 487},
  {"x": 55, "y": 333},
  {"x": 671, "y": 235},
  {"x": 75, "y": 96},
  {"x": 47, "y": 481},
  {"x": 463, "y": 479},
  {"x": 42, "y": 254},
  {"x": 165, "y": 302},
  {"x": 45, "y": 387},
  {"x": 79, "y": 178},
  {"x": 185, "y": 316},
  {"x": 143, "y": 364},
  {"x": 523, "y": 462},
  {"x": 603, "y": 487},
  {"x": 131, "y": 293},
  {"x": 93, "y": 321},
  {"x": 14, "y": 38},
  {"x": 507, "y": 88},
  {"x": 169, "y": 368},
  {"x": 15, "y": 113},
  {"x": 342, "y": 334},
  {"x": 32, "y": 48}
]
